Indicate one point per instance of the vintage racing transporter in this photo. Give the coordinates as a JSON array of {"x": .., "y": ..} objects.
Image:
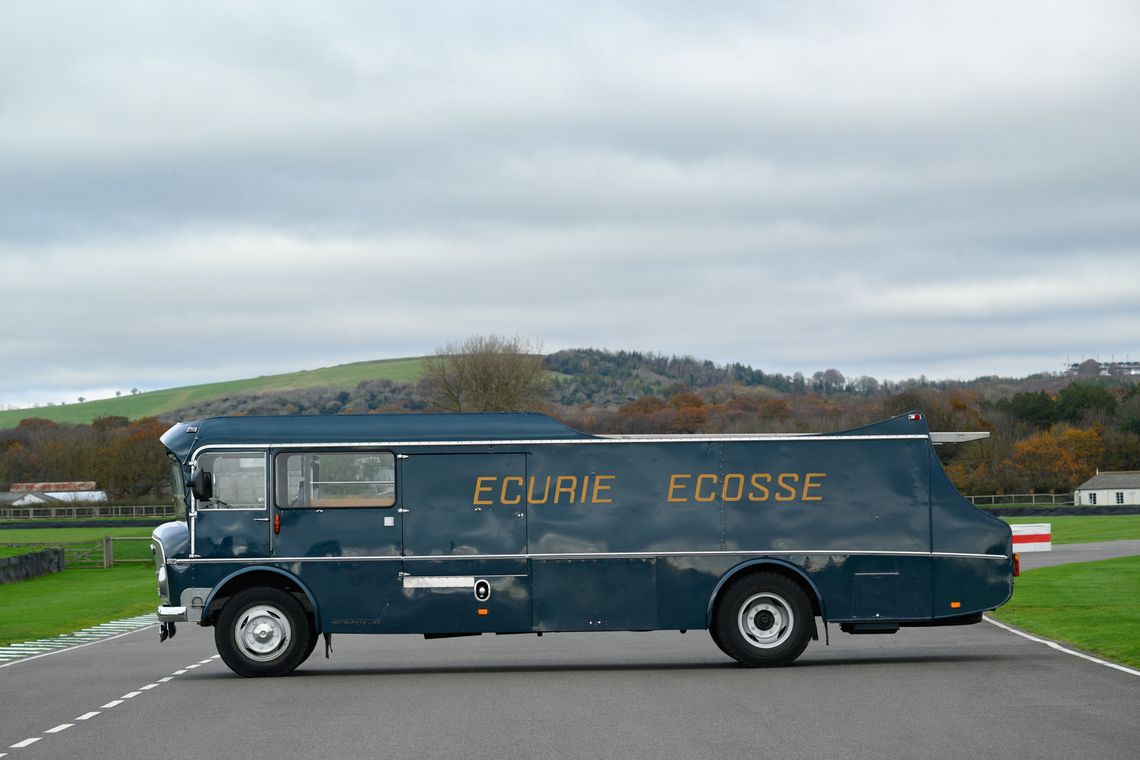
[{"x": 448, "y": 525}]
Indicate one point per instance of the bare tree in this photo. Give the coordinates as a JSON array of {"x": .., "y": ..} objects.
[{"x": 486, "y": 373}]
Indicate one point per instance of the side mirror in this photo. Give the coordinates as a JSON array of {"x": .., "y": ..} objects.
[{"x": 201, "y": 484}]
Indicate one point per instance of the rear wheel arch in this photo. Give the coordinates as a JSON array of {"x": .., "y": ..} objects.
[{"x": 767, "y": 565}]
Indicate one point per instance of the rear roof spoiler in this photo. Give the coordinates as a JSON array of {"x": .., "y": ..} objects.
[{"x": 940, "y": 438}]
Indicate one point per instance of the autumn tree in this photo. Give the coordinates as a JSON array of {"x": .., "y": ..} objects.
[
  {"x": 1059, "y": 459},
  {"x": 486, "y": 374}
]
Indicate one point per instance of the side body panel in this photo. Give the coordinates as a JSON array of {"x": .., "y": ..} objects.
[{"x": 591, "y": 534}]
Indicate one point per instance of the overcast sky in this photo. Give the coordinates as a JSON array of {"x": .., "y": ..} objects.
[{"x": 208, "y": 191}]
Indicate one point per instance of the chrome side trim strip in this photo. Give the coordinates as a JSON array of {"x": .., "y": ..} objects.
[
  {"x": 776, "y": 438},
  {"x": 589, "y": 555}
]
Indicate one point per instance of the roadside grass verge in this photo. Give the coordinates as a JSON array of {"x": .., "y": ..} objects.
[
  {"x": 74, "y": 599},
  {"x": 87, "y": 541},
  {"x": 15, "y": 551},
  {"x": 1076, "y": 529},
  {"x": 69, "y": 535},
  {"x": 1091, "y": 606}
]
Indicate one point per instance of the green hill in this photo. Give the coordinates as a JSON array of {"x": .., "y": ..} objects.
[{"x": 157, "y": 403}]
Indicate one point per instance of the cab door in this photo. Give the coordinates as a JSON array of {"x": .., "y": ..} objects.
[
  {"x": 465, "y": 542},
  {"x": 337, "y": 528},
  {"x": 234, "y": 522}
]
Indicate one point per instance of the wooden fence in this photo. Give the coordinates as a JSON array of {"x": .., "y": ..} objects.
[
  {"x": 106, "y": 552},
  {"x": 70, "y": 511}
]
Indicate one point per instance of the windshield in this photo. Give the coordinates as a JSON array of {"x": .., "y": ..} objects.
[{"x": 177, "y": 489}]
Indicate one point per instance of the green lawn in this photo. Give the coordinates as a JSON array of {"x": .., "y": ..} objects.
[
  {"x": 345, "y": 376},
  {"x": 1082, "y": 530},
  {"x": 12, "y": 551},
  {"x": 1092, "y": 606},
  {"x": 73, "y": 600},
  {"x": 91, "y": 538},
  {"x": 67, "y": 535}
]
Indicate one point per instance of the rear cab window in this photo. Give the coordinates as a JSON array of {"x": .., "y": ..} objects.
[{"x": 335, "y": 479}]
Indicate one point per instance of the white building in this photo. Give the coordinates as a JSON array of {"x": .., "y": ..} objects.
[
  {"x": 1109, "y": 489},
  {"x": 33, "y": 494}
]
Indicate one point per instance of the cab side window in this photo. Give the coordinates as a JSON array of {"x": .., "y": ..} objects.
[
  {"x": 239, "y": 480},
  {"x": 335, "y": 479}
]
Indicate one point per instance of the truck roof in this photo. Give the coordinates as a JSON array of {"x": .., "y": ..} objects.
[{"x": 367, "y": 427}]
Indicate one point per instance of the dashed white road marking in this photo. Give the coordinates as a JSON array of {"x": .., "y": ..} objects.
[{"x": 113, "y": 703}]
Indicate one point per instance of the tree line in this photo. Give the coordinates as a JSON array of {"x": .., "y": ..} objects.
[
  {"x": 1048, "y": 433},
  {"x": 123, "y": 457}
]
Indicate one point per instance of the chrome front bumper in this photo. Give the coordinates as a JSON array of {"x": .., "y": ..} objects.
[{"x": 172, "y": 614}]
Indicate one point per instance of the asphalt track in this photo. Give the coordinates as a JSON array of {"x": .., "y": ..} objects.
[
  {"x": 975, "y": 691},
  {"x": 1064, "y": 554}
]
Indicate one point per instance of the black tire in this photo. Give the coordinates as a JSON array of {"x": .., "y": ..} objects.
[
  {"x": 763, "y": 620},
  {"x": 263, "y": 632}
]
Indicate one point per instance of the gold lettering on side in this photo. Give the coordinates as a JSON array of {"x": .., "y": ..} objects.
[
  {"x": 732, "y": 489},
  {"x": 761, "y": 493},
  {"x": 481, "y": 488},
  {"x": 703, "y": 477},
  {"x": 809, "y": 484},
  {"x": 503, "y": 492},
  {"x": 571, "y": 484},
  {"x": 599, "y": 488},
  {"x": 788, "y": 492},
  {"x": 545, "y": 492},
  {"x": 675, "y": 485}
]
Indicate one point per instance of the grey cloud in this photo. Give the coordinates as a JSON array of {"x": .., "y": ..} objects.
[{"x": 887, "y": 189}]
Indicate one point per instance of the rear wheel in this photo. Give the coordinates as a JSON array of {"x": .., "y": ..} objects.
[
  {"x": 763, "y": 620},
  {"x": 263, "y": 632}
]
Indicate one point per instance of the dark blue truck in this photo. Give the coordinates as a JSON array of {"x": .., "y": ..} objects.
[{"x": 450, "y": 525}]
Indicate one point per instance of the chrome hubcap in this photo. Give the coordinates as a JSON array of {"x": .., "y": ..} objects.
[
  {"x": 765, "y": 620},
  {"x": 262, "y": 633}
]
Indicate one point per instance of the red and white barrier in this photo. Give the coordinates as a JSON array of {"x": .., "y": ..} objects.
[{"x": 1035, "y": 537}]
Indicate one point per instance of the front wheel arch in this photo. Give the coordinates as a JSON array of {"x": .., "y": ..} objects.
[{"x": 263, "y": 577}]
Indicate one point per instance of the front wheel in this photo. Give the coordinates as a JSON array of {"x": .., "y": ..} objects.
[
  {"x": 263, "y": 632},
  {"x": 763, "y": 620}
]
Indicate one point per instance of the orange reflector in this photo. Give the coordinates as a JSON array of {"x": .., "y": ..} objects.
[
  {"x": 481, "y": 611},
  {"x": 955, "y": 605},
  {"x": 1016, "y": 565}
]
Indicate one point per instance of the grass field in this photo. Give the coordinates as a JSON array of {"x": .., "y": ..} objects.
[
  {"x": 73, "y": 600},
  {"x": 344, "y": 376},
  {"x": 1092, "y": 606},
  {"x": 91, "y": 538},
  {"x": 1077, "y": 529}
]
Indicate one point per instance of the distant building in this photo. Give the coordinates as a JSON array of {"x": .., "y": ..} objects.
[
  {"x": 1109, "y": 489},
  {"x": 1110, "y": 369},
  {"x": 32, "y": 494}
]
